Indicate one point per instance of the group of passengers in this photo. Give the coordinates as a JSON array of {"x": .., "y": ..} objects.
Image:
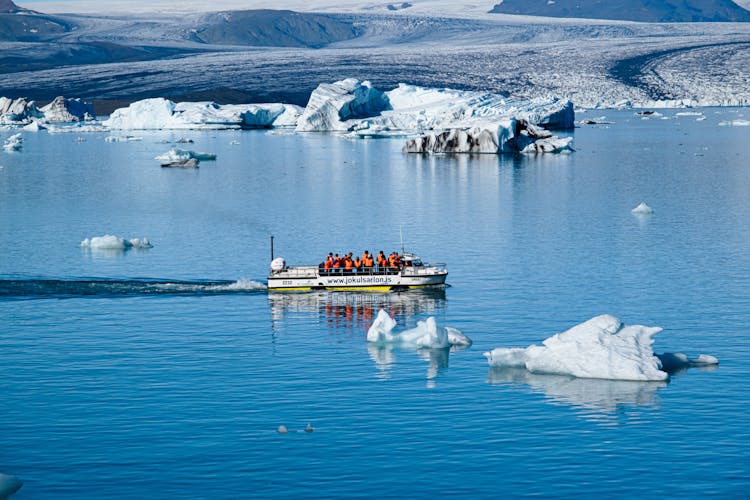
[{"x": 349, "y": 264}]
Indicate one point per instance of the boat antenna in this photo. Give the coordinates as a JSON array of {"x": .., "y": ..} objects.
[
  {"x": 271, "y": 248},
  {"x": 401, "y": 234}
]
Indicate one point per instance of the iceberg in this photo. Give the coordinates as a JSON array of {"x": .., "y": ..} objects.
[
  {"x": 18, "y": 111},
  {"x": 601, "y": 348},
  {"x": 426, "y": 334},
  {"x": 508, "y": 136},
  {"x": 642, "y": 209},
  {"x": 68, "y": 110},
  {"x": 735, "y": 123},
  {"x": 160, "y": 114},
  {"x": 177, "y": 155},
  {"x": 335, "y": 106},
  {"x": 13, "y": 143},
  {"x": 110, "y": 242},
  {"x": 353, "y": 106}
]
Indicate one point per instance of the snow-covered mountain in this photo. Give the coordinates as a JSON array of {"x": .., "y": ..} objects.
[{"x": 661, "y": 11}]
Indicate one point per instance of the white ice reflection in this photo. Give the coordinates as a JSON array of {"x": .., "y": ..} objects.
[
  {"x": 384, "y": 356},
  {"x": 596, "y": 399}
]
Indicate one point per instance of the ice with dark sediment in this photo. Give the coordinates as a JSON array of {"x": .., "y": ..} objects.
[{"x": 602, "y": 348}]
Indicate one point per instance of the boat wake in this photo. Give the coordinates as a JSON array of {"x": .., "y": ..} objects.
[{"x": 22, "y": 289}]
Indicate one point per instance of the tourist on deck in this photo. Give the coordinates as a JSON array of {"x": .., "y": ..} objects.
[
  {"x": 336, "y": 264},
  {"x": 348, "y": 263},
  {"x": 357, "y": 263},
  {"x": 328, "y": 264},
  {"x": 382, "y": 261}
]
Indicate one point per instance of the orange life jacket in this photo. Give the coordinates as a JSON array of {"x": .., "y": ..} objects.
[
  {"x": 336, "y": 263},
  {"x": 357, "y": 263},
  {"x": 348, "y": 263}
]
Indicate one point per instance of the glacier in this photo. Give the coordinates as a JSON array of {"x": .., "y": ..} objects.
[
  {"x": 600, "y": 348},
  {"x": 427, "y": 334}
]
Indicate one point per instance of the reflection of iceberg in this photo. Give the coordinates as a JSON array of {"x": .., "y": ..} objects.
[
  {"x": 591, "y": 395},
  {"x": 356, "y": 309},
  {"x": 384, "y": 356}
]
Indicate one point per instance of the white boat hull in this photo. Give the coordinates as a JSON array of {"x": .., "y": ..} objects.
[{"x": 310, "y": 278}]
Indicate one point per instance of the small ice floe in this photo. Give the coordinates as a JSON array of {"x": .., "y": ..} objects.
[
  {"x": 426, "y": 335},
  {"x": 9, "y": 485},
  {"x": 189, "y": 163},
  {"x": 79, "y": 139},
  {"x": 309, "y": 427},
  {"x": 672, "y": 362},
  {"x": 13, "y": 143},
  {"x": 110, "y": 242},
  {"x": 735, "y": 123},
  {"x": 689, "y": 113},
  {"x": 123, "y": 138},
  {"x": 282, "y": 429},
  {"x": 183, "y": 140},
  {"x": 175, "y": 154},
  {"x": 642, "y": 209},
  {"x": 34, "y": 126},
  {"x": 235, "y": 143}
]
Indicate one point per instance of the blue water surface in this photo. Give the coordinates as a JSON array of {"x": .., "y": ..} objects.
[{"x": 157, "y": 374}]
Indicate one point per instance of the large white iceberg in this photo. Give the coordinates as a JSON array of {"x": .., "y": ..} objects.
[
  {"x": 160, "y": 114},
  {"x": 176, "y": 154},
  {"x": 602, "y": 348},
  {"x": 357, "y": 107},
  {"x": 426, "y": 334}
]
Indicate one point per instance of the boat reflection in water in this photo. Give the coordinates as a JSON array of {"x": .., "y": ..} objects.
[
  {"x": 356, "y": 310},
  {"x": 595, "y": 399}
]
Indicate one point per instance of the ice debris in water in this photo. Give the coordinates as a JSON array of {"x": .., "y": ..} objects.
[
  {"x": 602, "y": 347},
  {"x": 13, "y": 143},
  {"x": 643, "y": 209},
  {"x": 674, "y": 361},
  {"x": 426, "y": 334},
  {"x": 123, "y": 138},
  {"x": 176, "y": 154},
  {"x": 282, "y": 429},
  {"x": 110, "y": 242}
]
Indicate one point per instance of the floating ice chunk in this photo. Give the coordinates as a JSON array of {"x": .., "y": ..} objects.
[
  {"x": 34, "y": 126},
  {"x": 13, "y": 143},
  {"x": 18, "y": 111},
  {"x": 735, "y": 123},
  {"x": 642, "y": 209},
  {"x": 9, "y": 485},
  {"x": 175, "y": 155},
  {"x": 676, "y": 361},
  {"x": 123, "y": 138},
  {"x": 110, "y": 242},
  {"x": 689, "y": 113},
  {"x": 602, "y": 347},
  {"x": 331, "y": 105},
  {"x": 426, "y": 334},
  {"x": 52, "y": 129}
]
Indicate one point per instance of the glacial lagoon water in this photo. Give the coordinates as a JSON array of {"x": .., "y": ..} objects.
[{"x": 165, "y": 372}]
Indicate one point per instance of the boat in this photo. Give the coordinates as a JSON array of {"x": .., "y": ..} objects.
[{"x": 412, "y": 273}]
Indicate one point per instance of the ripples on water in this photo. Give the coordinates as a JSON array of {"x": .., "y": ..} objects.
[{"x": 135, "y": 387}]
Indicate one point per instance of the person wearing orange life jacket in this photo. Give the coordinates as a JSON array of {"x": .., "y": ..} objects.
[
  {"x": 382, "y": 262},
  {"x": 365, "y": 260},
  {"x": 336, "y": 264},
  {"x": 348, "y": 262},
  {"x": 357, "y": 263},
  {"x": 328, "y": 263}
]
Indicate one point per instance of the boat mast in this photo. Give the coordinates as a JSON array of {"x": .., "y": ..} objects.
[
  {"x": 272, "y": 248},
  {"x": 401, "y": 234}
]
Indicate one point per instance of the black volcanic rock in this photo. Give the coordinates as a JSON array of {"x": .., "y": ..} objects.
[
  {"x": 272, "y": 28},
  {"x": 667, "y": 11}
]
